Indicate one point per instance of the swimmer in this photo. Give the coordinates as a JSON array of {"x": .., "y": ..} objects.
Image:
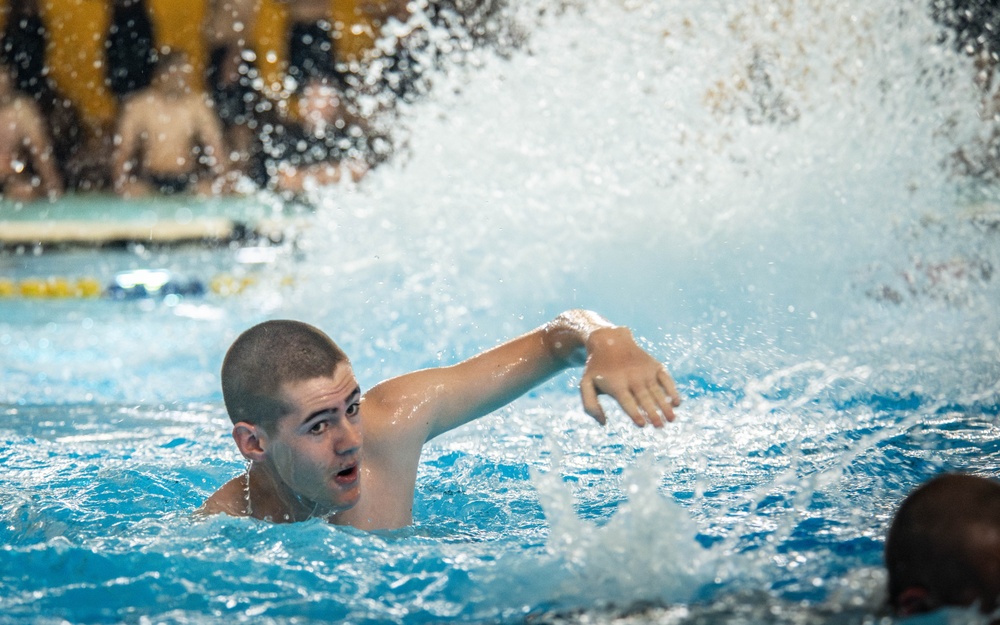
[
  {"x": 169, "y": 139},
  {"x": 27, "y": 160},
  {"x": 330, "y": 144},
  {"x": 320, "y": 446},
  {"x": 943, "y": 548}
]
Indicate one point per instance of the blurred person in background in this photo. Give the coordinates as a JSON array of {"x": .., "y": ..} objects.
[
  {"x": 27, "y": 160},
  {"x": 169, "y": 139}
]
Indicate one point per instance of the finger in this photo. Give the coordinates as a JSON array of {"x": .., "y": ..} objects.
[
  {"x": 649, "y": 406},
  {"x": 591, "y": 406},
  {"x": 667, "y": 382},
  {"x": 663, "y": 402},
  {"x": 631, "y": 408}
]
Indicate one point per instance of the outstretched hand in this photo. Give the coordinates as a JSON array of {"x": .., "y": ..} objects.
[{"x": 641, "y": 385}]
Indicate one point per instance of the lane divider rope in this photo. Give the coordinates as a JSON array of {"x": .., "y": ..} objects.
[{"x": 129, "y": 285}]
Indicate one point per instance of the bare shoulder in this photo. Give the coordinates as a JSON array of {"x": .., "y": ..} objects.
[
  {"x": 396, "y": 411},
  {"x": 137, "y": 101},
  {"x": 25, "y": 109},
  {"x": 138, "y": 107},
  {"x": 198, "y": 100},
  {"x": 24, "y": 103},
  {"x": 202, "y": 106},
  {"x": 378, "y": 405},
  {"x": 230, "y": 499}
]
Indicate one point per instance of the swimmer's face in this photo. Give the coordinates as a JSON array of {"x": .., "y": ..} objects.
[{"x": 316, "y": 447}]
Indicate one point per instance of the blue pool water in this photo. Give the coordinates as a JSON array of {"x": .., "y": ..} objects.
[{"x": 757, "y": 189}]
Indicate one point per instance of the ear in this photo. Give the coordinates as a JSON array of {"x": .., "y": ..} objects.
[
  {"x": 251, "y": 440},
  {"x": 913, "y": 600}
]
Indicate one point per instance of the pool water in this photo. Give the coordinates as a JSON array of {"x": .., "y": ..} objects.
[{"x": 760, "y": 190}]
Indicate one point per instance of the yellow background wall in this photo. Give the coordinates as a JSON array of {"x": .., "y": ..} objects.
[{"x": 77, "y": 30}]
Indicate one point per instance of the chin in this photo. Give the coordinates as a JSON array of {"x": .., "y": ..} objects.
[{"x": 343, "y": 501}]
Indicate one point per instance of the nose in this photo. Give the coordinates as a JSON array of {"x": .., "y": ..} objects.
[{"x": 350, "y": 439}]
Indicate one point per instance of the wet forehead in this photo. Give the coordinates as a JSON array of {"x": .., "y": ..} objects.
[{"x": 307, "y": 396}]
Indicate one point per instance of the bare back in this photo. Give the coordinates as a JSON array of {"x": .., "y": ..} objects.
[
  {"x": 12, "y": 138},
  {"x": 25, "y": 148},
  {"x": 164, "y": 132}
]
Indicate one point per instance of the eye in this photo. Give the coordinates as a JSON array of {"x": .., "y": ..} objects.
[
  {"x": 319, "y": 427},
  {"x": 353, "y": 409}
]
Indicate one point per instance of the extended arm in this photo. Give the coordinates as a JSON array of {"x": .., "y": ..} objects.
[{"x": 434, "y": 401}]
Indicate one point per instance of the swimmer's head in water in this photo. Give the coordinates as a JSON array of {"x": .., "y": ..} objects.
[
  {"x": 268, "y": 356},
  {"x": 943, "y": 548}
]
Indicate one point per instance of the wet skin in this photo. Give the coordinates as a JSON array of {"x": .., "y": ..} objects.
[
  {"x": 314, "y": 456},
  {"x": 319, "y": 461}
]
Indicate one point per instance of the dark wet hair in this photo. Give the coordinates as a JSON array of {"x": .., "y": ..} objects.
[
  {"x": 945, "y": 541},
  {"x": 168, "y": 58},
  {"x": 267, "y": 356}
]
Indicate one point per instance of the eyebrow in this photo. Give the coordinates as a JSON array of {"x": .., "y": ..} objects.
[{"x": 354, "y": 396}]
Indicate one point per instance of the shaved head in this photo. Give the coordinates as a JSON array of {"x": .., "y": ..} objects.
[
  {"x": 265, "y": 358},
  {"x": 943, "y": 548}
]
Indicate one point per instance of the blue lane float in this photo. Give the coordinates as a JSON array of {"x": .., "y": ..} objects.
[{"x": 152, "y": 283}]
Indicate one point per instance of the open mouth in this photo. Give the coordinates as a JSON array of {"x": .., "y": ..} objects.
[{"x": 347, "y": 475}]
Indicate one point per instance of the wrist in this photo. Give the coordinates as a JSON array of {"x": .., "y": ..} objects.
[
  {"x": 566, "y": 336},
  {"x": 608, "y": 337}
]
